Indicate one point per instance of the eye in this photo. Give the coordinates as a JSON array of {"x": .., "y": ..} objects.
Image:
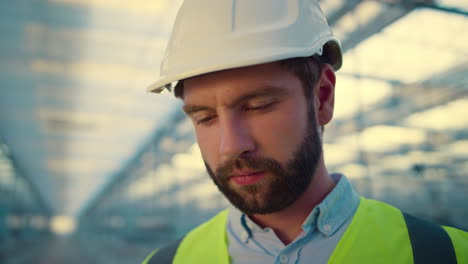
[
  {"x": 204, "y": 120},
  {"x": 260, "y": 105}
]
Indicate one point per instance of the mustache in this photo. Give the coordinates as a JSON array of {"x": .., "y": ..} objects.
[{"x": 252, "y": 163}]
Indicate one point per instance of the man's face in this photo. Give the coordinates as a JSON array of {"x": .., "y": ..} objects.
[{"x": 257, "y": 134}]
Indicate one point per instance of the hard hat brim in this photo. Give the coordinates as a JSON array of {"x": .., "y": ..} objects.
[{"x": 329, "y": 47}]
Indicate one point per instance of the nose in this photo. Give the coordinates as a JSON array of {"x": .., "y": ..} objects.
[{"x": 236, "y": 138}]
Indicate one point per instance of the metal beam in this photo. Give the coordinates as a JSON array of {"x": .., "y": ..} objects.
[
  {"x": 386, "y": 17},
  {"x": 448, "y": 9},
  {"x": 407, "y": 100},
  {"x": 342, "y": 11},
  {"x": 126, "y": 171},
  {"x": 19, "y": 172}
]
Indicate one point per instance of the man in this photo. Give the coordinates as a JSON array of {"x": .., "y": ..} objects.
[{"x": 257, "y": 80}]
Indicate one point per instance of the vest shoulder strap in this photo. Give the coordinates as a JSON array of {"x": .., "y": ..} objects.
[
  {"x": 430, "y": 242},
  {"x": 205, "y": 244},
  {"x": 166, "y": 254}
]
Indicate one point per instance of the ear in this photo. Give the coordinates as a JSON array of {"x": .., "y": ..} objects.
[{"x": 324, "y": 95}]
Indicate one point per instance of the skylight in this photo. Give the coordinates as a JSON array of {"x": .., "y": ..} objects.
[{"x": 416, "y": 47}]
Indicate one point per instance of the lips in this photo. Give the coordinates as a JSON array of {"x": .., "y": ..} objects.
[
  {"x": 245, "y": 177},
  {"x": 244, "y": 172}
]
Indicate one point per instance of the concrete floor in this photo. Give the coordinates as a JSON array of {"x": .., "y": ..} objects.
[{"x": 74, "y": 250}]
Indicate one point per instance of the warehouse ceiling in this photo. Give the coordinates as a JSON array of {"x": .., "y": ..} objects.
[{"x": 73, "y": 106}]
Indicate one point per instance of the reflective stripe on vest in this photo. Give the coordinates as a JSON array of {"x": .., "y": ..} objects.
[{"x": 377, "y": 234}]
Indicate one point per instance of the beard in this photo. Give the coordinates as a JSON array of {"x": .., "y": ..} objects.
[{"x": 282, "y": 185}]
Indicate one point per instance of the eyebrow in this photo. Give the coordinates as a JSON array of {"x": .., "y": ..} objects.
[
  {"x": 262, "y": 92},
  {"x": 190, "y": 109}
]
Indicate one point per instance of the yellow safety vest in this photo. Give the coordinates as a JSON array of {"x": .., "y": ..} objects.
[{"x": 376, "y": 234}]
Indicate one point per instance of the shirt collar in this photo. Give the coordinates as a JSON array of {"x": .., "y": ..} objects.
[
  {"x": 335, "y": 209},
  {"x": 328, "y": 216}
]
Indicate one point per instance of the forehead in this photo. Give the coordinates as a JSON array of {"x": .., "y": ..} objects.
[{"x": 229, "y": 83}]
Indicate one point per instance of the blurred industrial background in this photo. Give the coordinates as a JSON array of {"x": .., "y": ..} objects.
[{"x": 95, "y": 170}]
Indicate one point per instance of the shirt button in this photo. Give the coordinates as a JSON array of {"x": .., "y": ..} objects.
[
  {"x": 284, "y": 259},
  {"x": 327, "y": 227}
]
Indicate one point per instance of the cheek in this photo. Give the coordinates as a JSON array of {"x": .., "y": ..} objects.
[
  {"x": 207, "y": 142},
  {"x": 280, "y": 134}
]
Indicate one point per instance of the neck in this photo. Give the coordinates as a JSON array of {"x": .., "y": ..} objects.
[{"x": 287, "y": 223}]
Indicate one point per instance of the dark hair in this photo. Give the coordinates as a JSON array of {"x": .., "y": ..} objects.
[{"x": 307, "y": 69}]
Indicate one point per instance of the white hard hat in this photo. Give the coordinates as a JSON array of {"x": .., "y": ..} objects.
[{"x": 213, "y": 35}]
